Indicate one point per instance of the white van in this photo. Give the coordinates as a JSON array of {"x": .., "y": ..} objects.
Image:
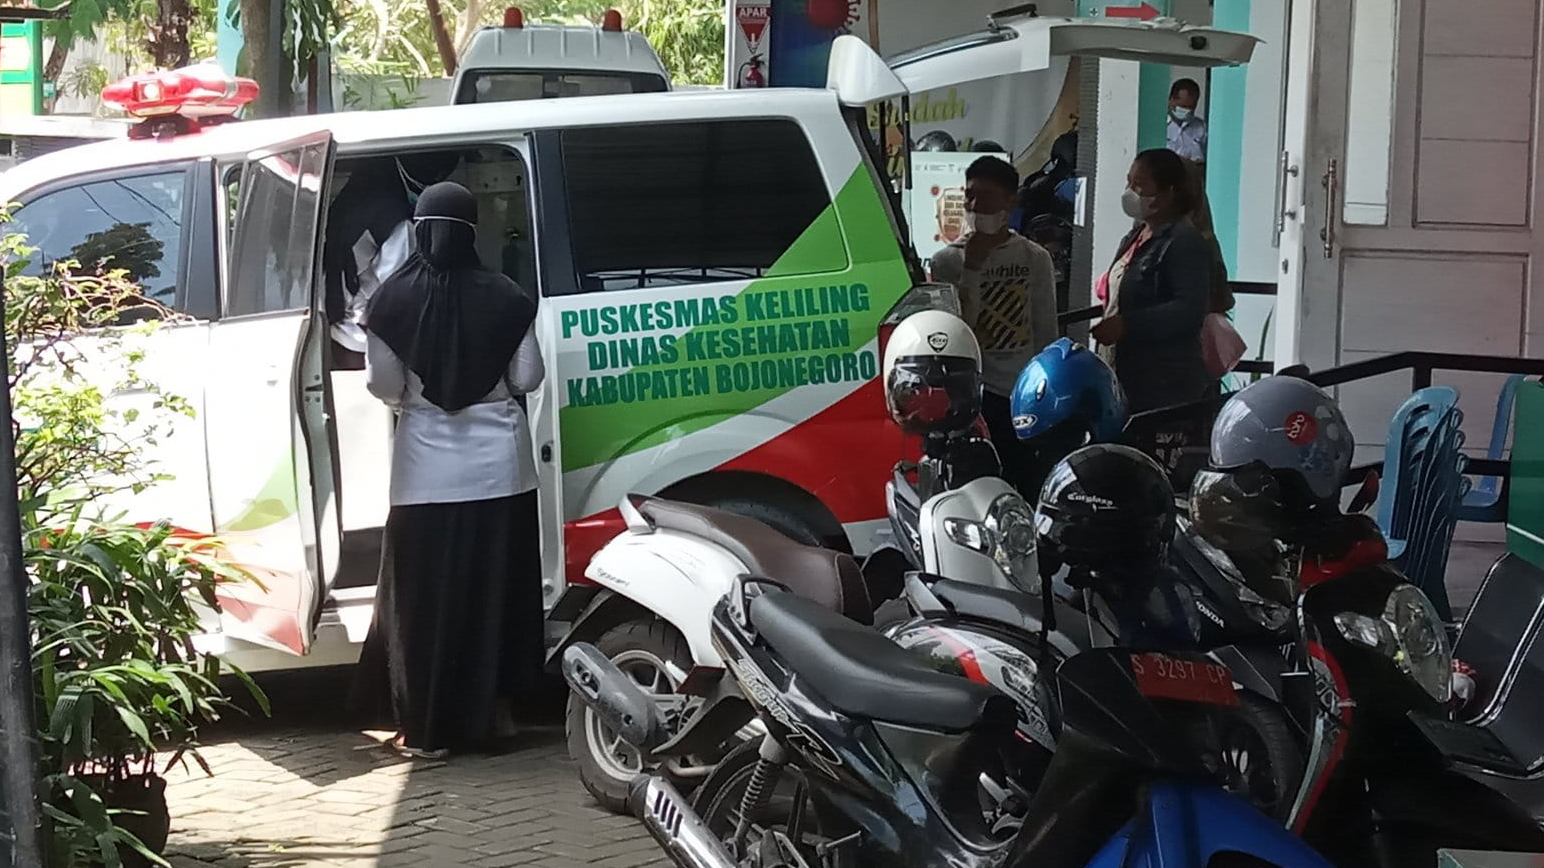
[
  {"x": 716, "y": 272},
  {"x": 521, "y": 61}
]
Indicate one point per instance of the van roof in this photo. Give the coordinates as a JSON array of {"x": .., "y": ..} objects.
[
  {"x": 416, "y": 127},
  {"x": 559, "y": 47}
]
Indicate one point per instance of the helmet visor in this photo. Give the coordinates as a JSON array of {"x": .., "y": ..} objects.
[
  {"x": 1242, "y": 509},
  {"x": 934, "y": 394}
]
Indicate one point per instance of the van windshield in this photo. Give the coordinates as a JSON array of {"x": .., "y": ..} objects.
[{"x": 510, "y": 85}]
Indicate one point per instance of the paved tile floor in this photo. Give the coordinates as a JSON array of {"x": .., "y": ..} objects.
[{"x": 306, "y": 788}]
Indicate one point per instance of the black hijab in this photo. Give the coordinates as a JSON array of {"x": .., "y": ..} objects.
[{"x": 453, "y": 322}]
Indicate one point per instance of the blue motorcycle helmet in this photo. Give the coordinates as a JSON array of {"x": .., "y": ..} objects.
[{"x": 1069, "y": 396}]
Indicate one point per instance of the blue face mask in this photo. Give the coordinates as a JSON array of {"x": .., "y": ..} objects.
[
  {"x": 412, "y": 187},
  {"x": 1181, "y": 113}
]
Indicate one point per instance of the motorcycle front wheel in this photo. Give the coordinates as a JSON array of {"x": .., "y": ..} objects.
[{"x": 1260, "y": 757}]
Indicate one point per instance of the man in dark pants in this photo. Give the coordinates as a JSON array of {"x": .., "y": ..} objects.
[{"x": 1007, "y": 288}]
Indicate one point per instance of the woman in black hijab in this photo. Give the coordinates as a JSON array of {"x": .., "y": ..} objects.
[{"x": 458, "y": 617}]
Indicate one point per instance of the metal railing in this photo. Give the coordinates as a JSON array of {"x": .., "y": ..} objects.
[
  {"x": 1245, "y": 366},
  {"x": 1197, "y": 415}
]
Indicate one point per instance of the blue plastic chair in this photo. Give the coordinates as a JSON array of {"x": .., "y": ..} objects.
[
  {"x": 1423, "y": 485},
  {"x": 1485, "y": 501}
]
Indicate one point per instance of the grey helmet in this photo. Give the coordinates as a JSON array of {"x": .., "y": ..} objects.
[
  {"x": 1280, "y": 451},
  {"x": 1286, "y": 424}
]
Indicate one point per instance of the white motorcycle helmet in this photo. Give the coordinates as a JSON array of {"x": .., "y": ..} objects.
[{"x": 932, "y": 370}]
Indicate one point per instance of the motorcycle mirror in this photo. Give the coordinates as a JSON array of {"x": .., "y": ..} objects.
[{"x": 1367, "y": 495}]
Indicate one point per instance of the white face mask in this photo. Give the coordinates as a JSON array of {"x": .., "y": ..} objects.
[
  {"x": 1136, "y": 206},
  {"x": 986, "y": 224},
  {"x": 1181, "y": 113}
]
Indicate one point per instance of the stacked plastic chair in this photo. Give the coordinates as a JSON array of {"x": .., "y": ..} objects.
[
  {"x": 1423, "y": 486},
  {"x": 1486, "y": 501}
]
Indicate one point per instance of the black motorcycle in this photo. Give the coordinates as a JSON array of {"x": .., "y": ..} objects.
[
  {"x": 872, "y": 757},
  {"x": 1371, "y": 681},
  {"x": 993, "y": 634}
]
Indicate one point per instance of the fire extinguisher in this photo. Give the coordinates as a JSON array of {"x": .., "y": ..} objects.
[{"x": 751, "y": 74}]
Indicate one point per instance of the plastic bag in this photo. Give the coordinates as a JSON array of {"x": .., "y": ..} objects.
[{"x": 1221, "y": 345}]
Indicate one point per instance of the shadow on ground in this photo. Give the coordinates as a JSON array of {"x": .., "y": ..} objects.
[{"x": 308, "y": 788}]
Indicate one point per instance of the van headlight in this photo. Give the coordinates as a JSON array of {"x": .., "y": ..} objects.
[
  {"x": 1007, "y": 536},
  {"x": 1412, "y": 635}
]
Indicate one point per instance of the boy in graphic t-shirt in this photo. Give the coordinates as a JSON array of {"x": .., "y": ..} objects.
[{"x": 1007, "y": 288}]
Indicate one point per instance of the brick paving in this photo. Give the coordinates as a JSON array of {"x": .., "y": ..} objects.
[{"x": 307, "y": 789}]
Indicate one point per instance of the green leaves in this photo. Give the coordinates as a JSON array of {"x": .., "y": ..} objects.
[{"x": 114, "y": 607}]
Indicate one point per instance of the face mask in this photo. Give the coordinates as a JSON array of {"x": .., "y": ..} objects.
[
  {"x": 1136, "y": 206},
  {"x": 986, "y": 224},
  {"x": 1181, "y": 113}
]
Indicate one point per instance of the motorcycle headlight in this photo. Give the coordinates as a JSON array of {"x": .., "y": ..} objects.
[
  {"x": 1412, "y": 634},
  {"x": 1007, "y": 536}
]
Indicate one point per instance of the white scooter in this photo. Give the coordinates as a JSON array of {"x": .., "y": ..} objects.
[
  {"x": 660, "y": 581},
  {"x": 974, "y": 528}
]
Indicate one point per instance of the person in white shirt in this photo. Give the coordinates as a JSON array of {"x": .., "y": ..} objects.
[
  {"x": 369, "y": 236},
  {"x": 1187, "y": 130},
  {"x": 458, "y": 632},
  {"x": 1007, "y": 287}
]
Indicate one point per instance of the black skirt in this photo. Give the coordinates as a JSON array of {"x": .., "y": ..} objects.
[{"x": 458, "y": 619}]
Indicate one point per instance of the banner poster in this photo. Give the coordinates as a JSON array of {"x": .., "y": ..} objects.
[
  {"x": 935, "y": 205},
  {"x": 751, "y": 26}
]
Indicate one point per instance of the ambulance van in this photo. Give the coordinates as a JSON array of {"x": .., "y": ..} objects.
[
  {"x": 716, "y": 272},
  {"x": 521, "y": 61}
]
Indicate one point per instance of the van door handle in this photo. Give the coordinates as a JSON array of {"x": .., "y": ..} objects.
[{"x": 546, "y": 453}]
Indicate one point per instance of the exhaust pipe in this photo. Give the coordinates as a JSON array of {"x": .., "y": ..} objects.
[
  {"x": 614, "y": 697},
  {"x": 675, "y": 826}
]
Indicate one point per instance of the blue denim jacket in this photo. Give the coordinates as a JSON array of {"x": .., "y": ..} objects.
[{"x": 1164, "y": 297}]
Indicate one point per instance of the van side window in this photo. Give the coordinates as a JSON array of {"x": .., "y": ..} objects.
[
  {"x": 129, "y": 222},
  {"x": 272, "y": 262},
  {"x": 655, "y": 205}
]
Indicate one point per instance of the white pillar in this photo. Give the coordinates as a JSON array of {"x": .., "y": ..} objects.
[{"x": 1118, "y": 97}]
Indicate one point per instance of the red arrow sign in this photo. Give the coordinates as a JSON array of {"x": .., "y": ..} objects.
[{"x": 1145, "y": 11}]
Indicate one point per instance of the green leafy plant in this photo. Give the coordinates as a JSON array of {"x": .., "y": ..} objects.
[
  {"x": 114, "y": 606},
  {"x": 114, "y": 613}
]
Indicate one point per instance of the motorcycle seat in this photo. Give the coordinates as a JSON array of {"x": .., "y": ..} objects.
[
  {"x": 831, "y": 578},
  {"x": 866, "y": 676}
]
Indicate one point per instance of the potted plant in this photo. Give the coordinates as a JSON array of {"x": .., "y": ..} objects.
[{"x": 114, "y": 606}]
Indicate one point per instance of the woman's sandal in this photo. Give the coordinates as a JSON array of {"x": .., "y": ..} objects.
[{"x": 397, "y": 744}]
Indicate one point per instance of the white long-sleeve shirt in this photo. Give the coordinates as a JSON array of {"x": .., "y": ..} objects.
[
  {"x": 480, "y": 452},
  {"x": 374, "y": 264},
  {"x": 1010, "y": 303}
]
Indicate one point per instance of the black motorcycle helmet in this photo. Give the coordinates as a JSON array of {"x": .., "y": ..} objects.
[
  {"x": 1106, "y": 511},
  {"x": 937, "y": 140}
]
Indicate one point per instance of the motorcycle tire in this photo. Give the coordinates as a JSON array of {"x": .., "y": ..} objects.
[
  {"x": 633, "y": 646},
  {"x": 719, "y": 798},
  {"x": 1266, "y": 727},
  {"x": 782, "y": 519}
]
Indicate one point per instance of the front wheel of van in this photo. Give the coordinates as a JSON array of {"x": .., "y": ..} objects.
[{"x": 657, "y": 658}]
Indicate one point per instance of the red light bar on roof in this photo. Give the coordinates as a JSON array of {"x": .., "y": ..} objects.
[
  {"x": 194, "y": 92},
  {"x": 612, "y": 20},
  {"x": 514, "y": 18}
]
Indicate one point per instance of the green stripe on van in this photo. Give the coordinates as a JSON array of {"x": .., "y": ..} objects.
[{"x": 808, "y": 318}]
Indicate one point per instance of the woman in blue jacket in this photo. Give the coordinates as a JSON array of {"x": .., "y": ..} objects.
[{"x": 1158, "y": 290}]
